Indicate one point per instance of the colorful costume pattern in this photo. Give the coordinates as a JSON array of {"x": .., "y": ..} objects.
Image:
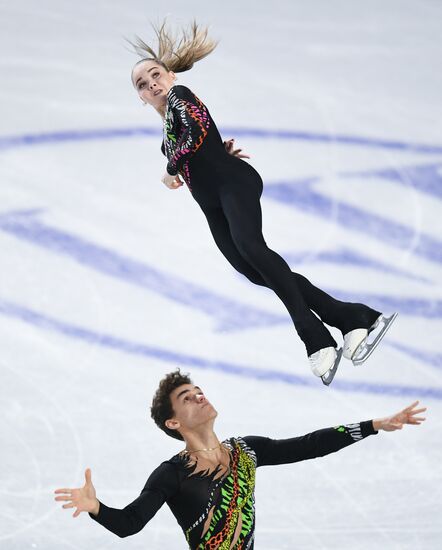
[
  {"x": 185, "y": 127},
  {"x": 218, "y": 512}
]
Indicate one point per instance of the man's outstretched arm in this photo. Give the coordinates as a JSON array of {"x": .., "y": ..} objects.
[
  {"x": 328, "y": 440},
  {"x": 132, "y": 518}
]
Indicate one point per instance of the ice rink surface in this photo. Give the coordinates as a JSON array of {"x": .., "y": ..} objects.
[{"x": 108, "y": 280}]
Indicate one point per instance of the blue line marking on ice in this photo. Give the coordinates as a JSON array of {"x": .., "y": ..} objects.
[
  {"x": 429, "y": 358},
  {"x": 426, "y": 178},
  {"x": 300, "y": 194},
  {"x": 27, "y": 140},
  {"x": 345, "y": 256},
  {"x": 229, "y": 314},
  {"x": 134, "y": 348}
]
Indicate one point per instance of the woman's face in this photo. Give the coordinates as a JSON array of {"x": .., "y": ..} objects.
[{"x": 152, "y": 82}]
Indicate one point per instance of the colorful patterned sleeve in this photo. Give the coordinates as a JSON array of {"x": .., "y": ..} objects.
[
  {"x": 193, "y": 122},
  {"x": 161, "y": 485},
  {"x": 320, "y": 443}
]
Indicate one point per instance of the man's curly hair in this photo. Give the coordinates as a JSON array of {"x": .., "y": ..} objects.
[{"x": 161, "y": 409}]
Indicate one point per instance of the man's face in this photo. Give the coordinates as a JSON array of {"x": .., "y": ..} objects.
[{"x": 191, "y": 409}]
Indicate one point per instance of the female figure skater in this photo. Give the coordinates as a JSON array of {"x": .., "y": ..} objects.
[{"x": 228, "y": 190}]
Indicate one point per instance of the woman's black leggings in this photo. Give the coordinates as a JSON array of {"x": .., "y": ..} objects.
[{"x": 236, "y": 226}]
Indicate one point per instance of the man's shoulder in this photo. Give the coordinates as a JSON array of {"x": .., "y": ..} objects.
[
  {"x": 173, "y": 461},
  {"x": 243, "y": 443}
]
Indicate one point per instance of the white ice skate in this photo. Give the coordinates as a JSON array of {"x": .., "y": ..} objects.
[
  {"x": 324, "y": 363},
  {"x": 352, "y": 341},
  {"x": 356, "y": 344}
]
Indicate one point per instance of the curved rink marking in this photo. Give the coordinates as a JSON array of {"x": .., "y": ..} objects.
[
  {"x": 108, "y": 341},
  {"x": 37, "y": 319},
  {"x": 98, "y": 134}
]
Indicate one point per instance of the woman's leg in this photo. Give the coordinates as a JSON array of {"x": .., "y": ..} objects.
[
  {"x": 242, "y": 210},
  {"x": 220, "y": 230},
  {"x": 346, "y": 316}
]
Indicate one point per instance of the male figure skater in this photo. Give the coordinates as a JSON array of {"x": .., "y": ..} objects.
[{"x": 209, "y": 486}]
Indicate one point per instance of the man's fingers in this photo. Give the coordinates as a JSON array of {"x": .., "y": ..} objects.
[
  {"x": 76, "y": 513},
  {"x": 60, "y": 499},
  {"x": 418, "y": 411},
  {"x": 410, "y": 407},
  {"x": 70, "y": 505},
  {"x": 88, "y": 475},
  {"x": 57, "y": 491}
]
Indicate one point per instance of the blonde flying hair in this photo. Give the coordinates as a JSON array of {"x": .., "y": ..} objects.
[{"x": 177, "y": 54}]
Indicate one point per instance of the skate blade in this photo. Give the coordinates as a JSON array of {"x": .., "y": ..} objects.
[
  {"x": 368, "y": 348},
  {"x": 327, "y": 378}
]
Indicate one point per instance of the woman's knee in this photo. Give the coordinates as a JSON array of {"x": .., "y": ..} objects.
[
  {"x": 252, "y": 249},
  {"x": 255, "y": 278},
  {"x": 251, "y": 274},
  {"x": 300, "y": 279}
]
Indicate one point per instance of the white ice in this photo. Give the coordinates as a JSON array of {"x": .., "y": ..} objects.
[{"x": 108, "y": 280}]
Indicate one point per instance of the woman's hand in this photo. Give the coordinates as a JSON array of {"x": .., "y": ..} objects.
[
  {"x": 235, "y": 152},
  {"x": 172, "y": 182},
  {"x": 84, "y": 498},
  {"x": 396, "y": 422}
]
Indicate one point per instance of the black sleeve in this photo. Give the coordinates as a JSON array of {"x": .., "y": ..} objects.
[
  {"x": 315, "y": 444},
  {"x": 193, "y": 122},
  {"x": 161, "y": 485}
]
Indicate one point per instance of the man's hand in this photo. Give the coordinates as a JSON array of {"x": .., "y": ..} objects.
[
  {"x": 396, "y": 422},
  {"x": 84, "y": 498},
  {"x": 235, "y": 152},
  {"x": 172, "y": 182}
]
